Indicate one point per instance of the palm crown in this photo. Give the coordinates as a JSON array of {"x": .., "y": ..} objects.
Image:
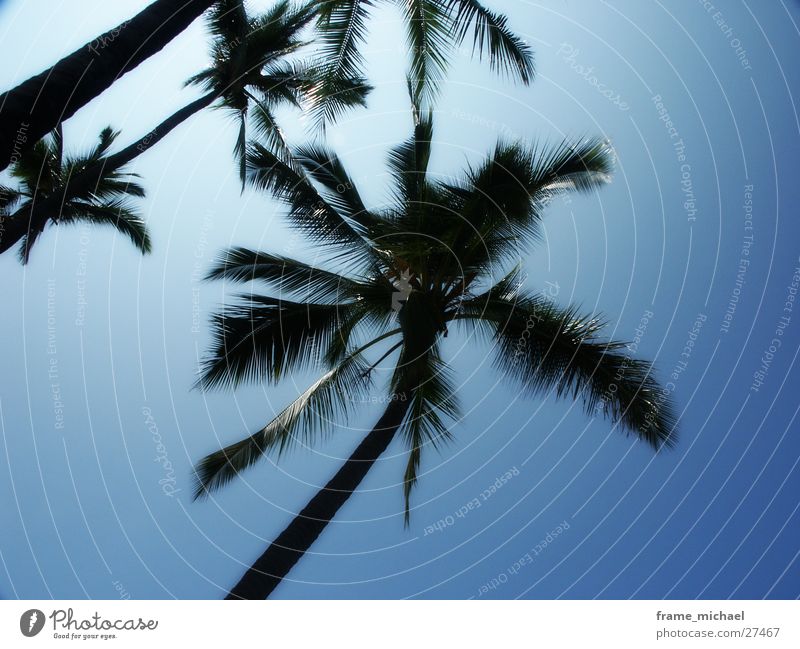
[
  {"x": 250, "y": 65},
  {"x": 438, "y": 245},
  {"x": 45, "y": 171},
  {"x": 433, "y": 29}
]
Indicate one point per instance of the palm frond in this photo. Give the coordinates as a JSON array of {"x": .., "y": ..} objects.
[
  {"x": 9, "y": 197},
  {"x": 240, "y": 148},
  {"x": 338, "y": 81},
  {"x": 276, "y": 32},
  {"x": 581, "y": 166},
  {"x": 26, "y": 244},
  {"x": 37, "y": 170},
  {"x": 545, "y": 347},
  {"x": 342, "y": 28},
  {"x": 268, "y": 131},
  {"x": 501, "y": 201},
  {"x": 507, "y": 53},
  {"x": 429, "y": 39},
  {"x": 45, "y": 171},
  {"x": 115, "y": 184},
  {"x": 281, "y": 82},
  {"x": 433, "y": 401},
  {"x": 372, "y": 309},
  {"x": 312, "y": 413},
  {"x": 264, "y": 338},
  {"x": 57, "y": 144},
  {"x": 309, "y": 212},
  {"x": 284, "y": 275},
  {"x": 408, "y": 164},
  {"x": 228, "y": 22},
  {"x": 117, "y": 213},
  {"x": 329, "y": 97},
  {"x": 105, "y": 141},
  {"x": 325, "y": 167}
]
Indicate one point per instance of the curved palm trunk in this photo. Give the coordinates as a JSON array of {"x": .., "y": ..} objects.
[
  {"x": 34, "y": 218},
  {"x": 286, "y": 550},
  {"x": 36, "y": 106}
]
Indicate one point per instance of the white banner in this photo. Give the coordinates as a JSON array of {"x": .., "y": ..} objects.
[{"x": 400, "y": 624}]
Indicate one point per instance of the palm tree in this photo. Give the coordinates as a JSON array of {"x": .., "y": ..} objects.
[
  {"x": 36, "y": 106},
  {"x": 250, "y": 68},
  {"x": 44, "y": 170},
  {"x": 248, "y": 65},
  {"x": 433, "y": 29},
  {"x": 438, "y": 247}
]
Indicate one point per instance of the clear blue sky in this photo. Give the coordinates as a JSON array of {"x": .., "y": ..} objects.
[{"x": 588, "y": 512}]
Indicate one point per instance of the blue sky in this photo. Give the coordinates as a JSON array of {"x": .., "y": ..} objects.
[{"x": 112, "y": 339}]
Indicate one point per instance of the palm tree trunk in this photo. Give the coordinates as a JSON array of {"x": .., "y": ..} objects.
[
  {"x": 286, "y": 550},
  {"x": 36, "y": 106},
  {"x": 34, "y": 218}
]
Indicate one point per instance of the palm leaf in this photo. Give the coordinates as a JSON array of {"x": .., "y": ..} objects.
[
  {"x": 36, "y": 170},
  {"x": 329, "y": 97},
  {"x": 116, "y": 213},
  {"x": 308, "y": 211},
  {"x": 26, "y": 244},
  {"x": 9, "y": 197},
  {"x": 117, "y": 184},
  {"x": 327, "y": 400},
  {"x": 501, "y": 202},
  {"x": 506, "y": 52},
  {"x": 342, "y": 28},
  {"x": 227, "y": 21},
  {"x": 429, "y": 39},
  {"x": 325, "y": 167},
  {"x": 284, "y": 275},
  {"x": 408, "y": 164},
  {"x": 546, "y": 347},
  {"x": 276, "y": 32},
  {"x": 428, "y": 381},
  {"x": 240, "y": 148},
  {"x": 265, "y": 338}
]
